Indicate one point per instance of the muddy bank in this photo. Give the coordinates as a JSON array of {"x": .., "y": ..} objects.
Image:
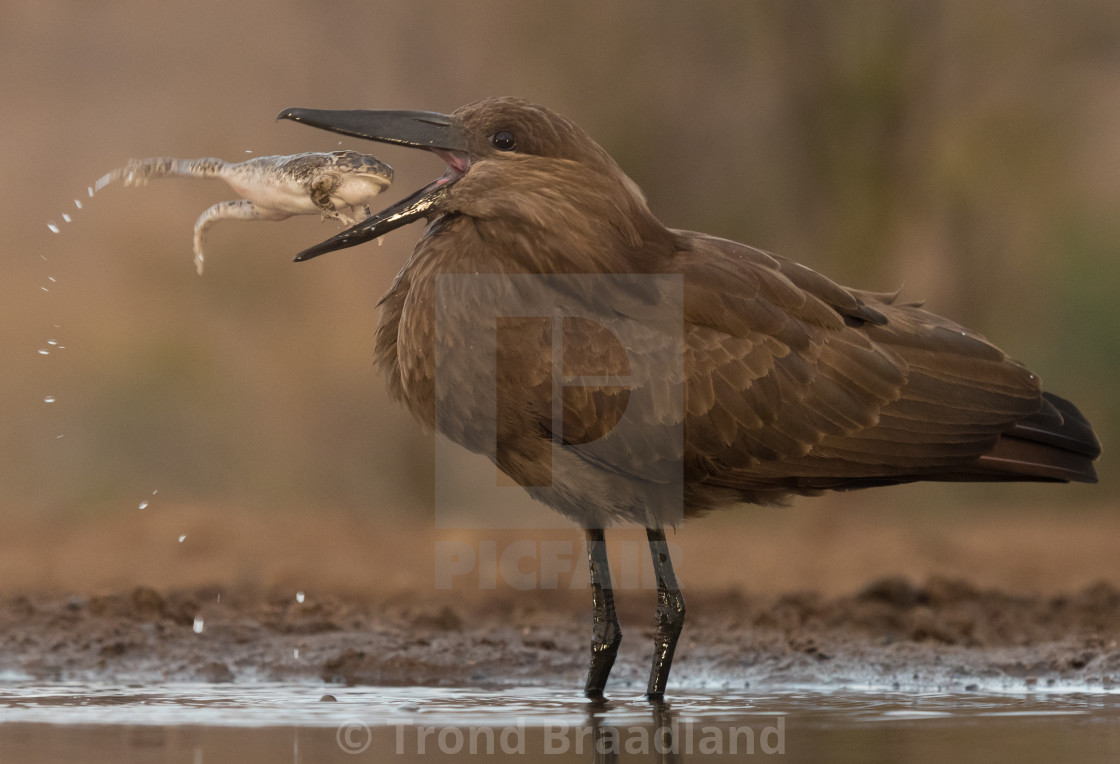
[
  {"x": 830, "y": 591},
  {"x": 944, "y": 634}
]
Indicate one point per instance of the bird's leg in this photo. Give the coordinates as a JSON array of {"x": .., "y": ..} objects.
[
  {"x": 606, "y": 634},
  {"x": 670, "y": 614}
]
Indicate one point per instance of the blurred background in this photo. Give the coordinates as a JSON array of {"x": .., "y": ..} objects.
[{"x": 968, "y": 153}]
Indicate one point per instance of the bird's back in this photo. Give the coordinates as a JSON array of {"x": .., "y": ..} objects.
[{"x": 797, "y": 384}]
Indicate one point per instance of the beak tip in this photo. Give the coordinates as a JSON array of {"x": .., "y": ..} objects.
[{"x": 294, "y": 114}]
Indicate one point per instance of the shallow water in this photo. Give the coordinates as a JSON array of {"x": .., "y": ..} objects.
[{"x": 207, "y": 723}]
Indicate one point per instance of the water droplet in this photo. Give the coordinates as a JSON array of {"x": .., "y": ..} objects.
[
  {"x": 53, "y": 227},
  {"x": 65, "y": 217},
  {"x": 52, "y": 342},
  {"x": 299, "y": 597},
  {"x": 49, "y": 399},
  {"x": 144, "y": 504},
  {"x": 219, "y": 596},
  {"x": 198, "y": 624},
  {"x": 90, "y": 189},
  {"x": 56, "y": 437},
  {"x": 44, "y": 351},
  {"x": 295, "y": 653},
  {"x": 77, "y": 204},
  {"x": 52, "y": 279},
  {"x": 182, "y": 538},
  {"x": 44, "y": 289},
  {"x": 101, "y": 182}
]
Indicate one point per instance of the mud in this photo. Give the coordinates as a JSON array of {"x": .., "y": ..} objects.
[
  {"x": 943, "y": 634},
  {"x": 832, "y": 592}
]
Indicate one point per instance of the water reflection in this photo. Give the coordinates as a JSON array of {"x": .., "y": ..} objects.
[
  {"x": 277, "y": 722},
  {"x": 670, "y": 738},
  {"x": 657, "y": 741}
]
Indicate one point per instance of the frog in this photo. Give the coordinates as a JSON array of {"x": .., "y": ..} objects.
[{"x": 336, "y": 184}]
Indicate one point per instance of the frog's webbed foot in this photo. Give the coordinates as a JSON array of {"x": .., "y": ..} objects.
[
  {"x": 239, "y": 209},
  {"x": 320, "y": 190}
]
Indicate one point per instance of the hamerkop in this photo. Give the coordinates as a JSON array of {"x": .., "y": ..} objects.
[{"x": 691, "y": 372}]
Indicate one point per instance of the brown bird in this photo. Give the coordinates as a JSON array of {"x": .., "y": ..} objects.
[{"x": 623, "y": 371}]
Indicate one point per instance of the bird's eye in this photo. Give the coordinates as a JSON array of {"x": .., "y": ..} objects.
[{"x": 503, "y": 140}]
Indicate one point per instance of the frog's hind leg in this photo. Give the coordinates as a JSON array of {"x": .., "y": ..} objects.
[
  {"x": 138, "y": 172},
  {"x": 239, "y": 209}
]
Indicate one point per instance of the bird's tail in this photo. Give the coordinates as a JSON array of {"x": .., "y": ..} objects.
[{"x": 1056, "y": 443}]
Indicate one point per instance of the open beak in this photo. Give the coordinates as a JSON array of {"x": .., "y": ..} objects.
[{"x": 418, "y": 129}]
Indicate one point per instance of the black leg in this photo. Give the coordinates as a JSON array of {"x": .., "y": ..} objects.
[
  {"x": 606, "y": 634},
  {"x": 670, "y": 614}
]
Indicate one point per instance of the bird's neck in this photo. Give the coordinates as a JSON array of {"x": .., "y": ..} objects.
[{"x": 553, "y": 217}]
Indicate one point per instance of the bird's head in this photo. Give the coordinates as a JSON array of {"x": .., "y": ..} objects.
[{"x": 493, "y": 144}]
